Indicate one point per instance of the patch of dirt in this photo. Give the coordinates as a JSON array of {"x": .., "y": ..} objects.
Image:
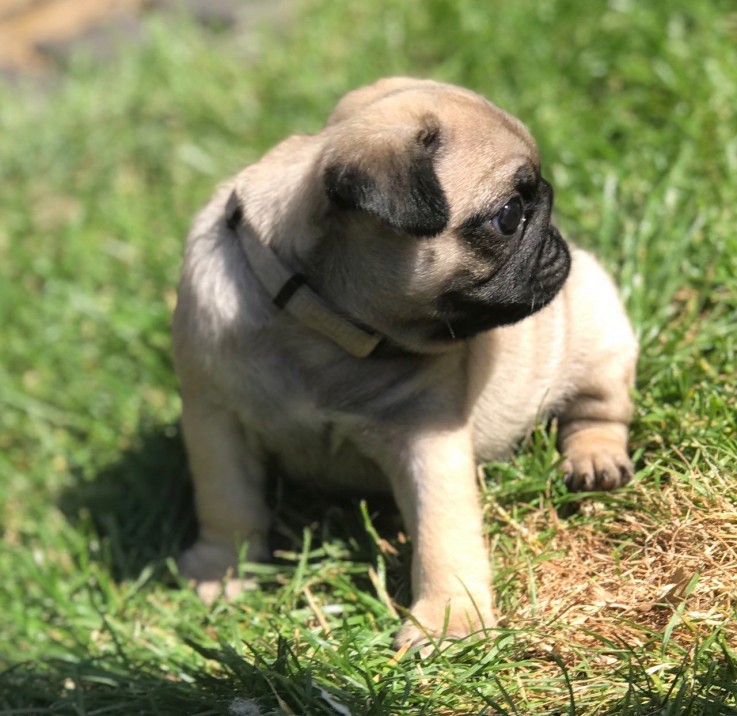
[
  {"x": 29, "y": 27},
  {"x": 38, "y": 35}
]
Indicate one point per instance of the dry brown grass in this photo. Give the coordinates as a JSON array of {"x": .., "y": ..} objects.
[{"x": 665, "y": 572}]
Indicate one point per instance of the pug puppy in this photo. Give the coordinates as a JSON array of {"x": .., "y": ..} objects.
[{"x": 383, "y": 305}]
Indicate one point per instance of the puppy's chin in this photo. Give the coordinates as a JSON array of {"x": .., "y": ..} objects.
[{"x": 522, "y": 286}]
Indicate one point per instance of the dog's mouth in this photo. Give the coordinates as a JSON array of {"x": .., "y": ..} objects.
[{"x": 522, "y": 286}]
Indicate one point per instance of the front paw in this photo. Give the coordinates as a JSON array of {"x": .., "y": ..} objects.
[
  {"x": 596, "y": 465},
  {"x": 213, "y": 567},
  {"x": 206, "y": 560},
  {"x": 437, "y": 622}
]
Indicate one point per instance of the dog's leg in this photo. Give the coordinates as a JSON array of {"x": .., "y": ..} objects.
[
  {"x": 228, "y": 479},
  {"x": 434, "y": 483},
  {"x": 600, "y": 373},
  {"x": 593, "y": 427}
]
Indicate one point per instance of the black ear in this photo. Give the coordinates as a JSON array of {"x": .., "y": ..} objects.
[{"x": 402, "y": 189}]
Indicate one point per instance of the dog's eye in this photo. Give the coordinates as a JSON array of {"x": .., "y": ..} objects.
[{"x": 507, "y": 221}]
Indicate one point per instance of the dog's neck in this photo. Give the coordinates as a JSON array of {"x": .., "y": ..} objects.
[{"x": 289, "y": 291}]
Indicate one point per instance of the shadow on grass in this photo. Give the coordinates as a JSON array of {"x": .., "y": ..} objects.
[
  {"x": 280, "y": 682},
  {"x": 101, "y": 686},
  {"x": 114, "y": 685},
  {"x": 253, "y": 684},
  {"x": 142, "y": 509},
  {"x": 140, "y": 506}
]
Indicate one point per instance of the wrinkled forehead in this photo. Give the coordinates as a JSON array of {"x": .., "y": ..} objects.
[
  {"x": 456, "y": 108},
  {"x": 482, "y": 151},
  {"x": 484, "y": 155},
  {"x": 484, "y": 176}
]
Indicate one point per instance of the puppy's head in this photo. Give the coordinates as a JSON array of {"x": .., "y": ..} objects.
[{"x": 438, "y": 222}]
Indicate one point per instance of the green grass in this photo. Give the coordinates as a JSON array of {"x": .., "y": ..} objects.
[{"x": 634, "y": 106}]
